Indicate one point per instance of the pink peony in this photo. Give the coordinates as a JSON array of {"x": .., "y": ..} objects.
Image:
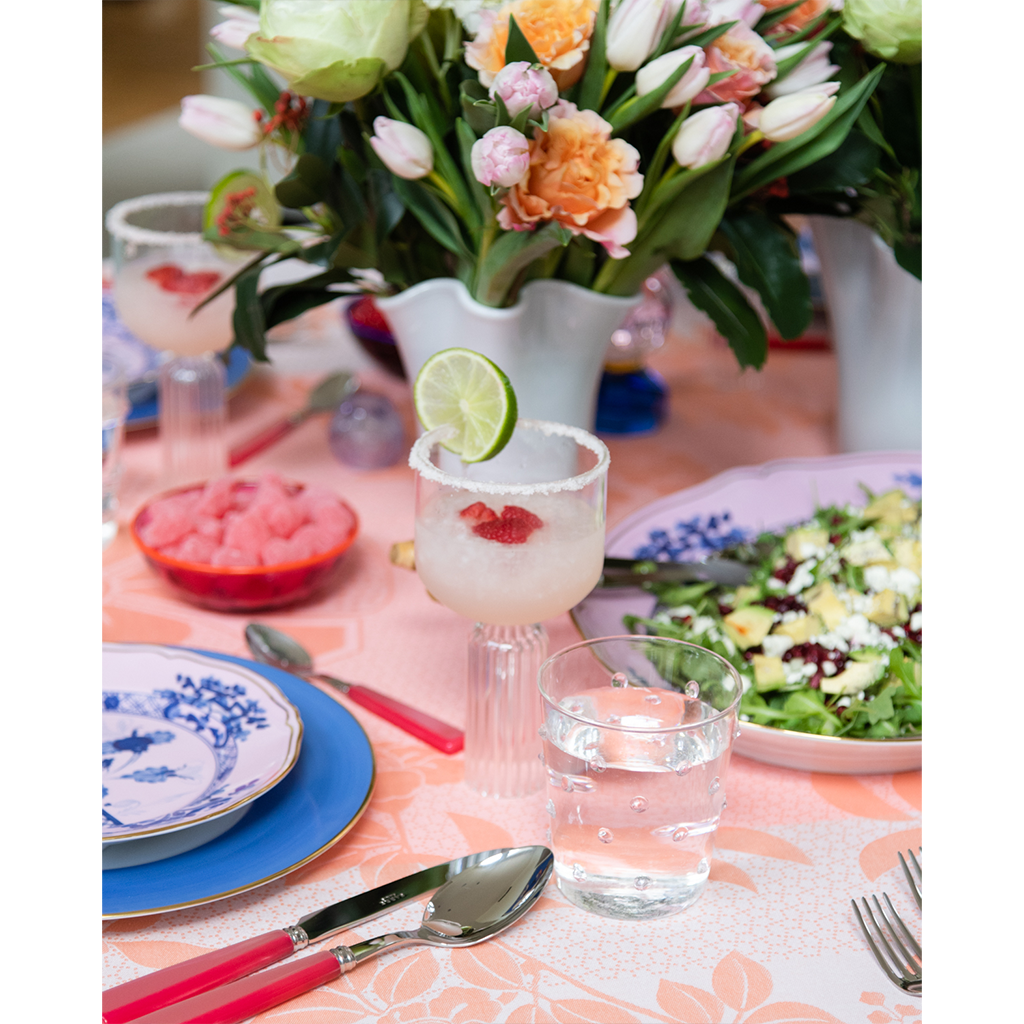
[
  {"x": 523, "y": 87},
  {"x": 501, "y": 157}
]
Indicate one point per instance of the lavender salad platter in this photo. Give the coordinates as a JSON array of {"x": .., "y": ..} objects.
[
  {"x": 692, "y": 524},
  {"x": 188, "y": 743}
]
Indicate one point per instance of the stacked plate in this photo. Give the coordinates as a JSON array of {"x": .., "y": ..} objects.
[{"x": 211, "y": 784}]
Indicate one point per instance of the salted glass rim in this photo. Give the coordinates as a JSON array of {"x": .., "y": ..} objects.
[
  {"x": 618, "y": 726},
  {"x": 117, "y": 223},
  {"x": 419, "y": 460}
]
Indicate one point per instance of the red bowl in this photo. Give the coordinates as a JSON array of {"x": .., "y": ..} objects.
[{"x": 244, "y": 588}]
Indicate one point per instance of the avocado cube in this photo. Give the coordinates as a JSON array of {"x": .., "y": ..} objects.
[
  {"x": 892, "y": 508},
  {"x": 801, "y": 629},
  {"x": 805, "y": 542},
  {"x": 769, "y": 673},
  {"x": 870, "y": 551},
  {"x": 888, "y": 609},
  {"x": 747, "y": 627},
  {"x": 857, "y": 676},
  {"x": 825, "y": 603},
  {"x": 907, "y": 553}
]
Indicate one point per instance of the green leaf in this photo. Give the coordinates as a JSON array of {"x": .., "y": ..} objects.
[
  {"x": 823, "y": 138},
  {"x": 464, "y": 133},
  {"x": 668, "y": 37},
  {"x": 768, "y": 261},
  {"x": 480, "y": 112},
  {"x": 639, "y": 107},
  {"x": 709, "y": 35},
  {"x": 438, "y": 221},
  {"x": 322, "y": 134},
  {"x": 593, "y": 78},
  {"x": 770, "y": 18},
  {"x": 851, "y": 165},
  {"x": 247, "y": 319},
  {"x": 517, "y": 47},
  {"x": 387, "y": 205},
  {"x": 285, "y": 302},
  {"x": 511, "y": 253},
  {"x": 729, "y": 310},
  {"x": 307, "y": 184},
  {"x": 908, "y": 257}
]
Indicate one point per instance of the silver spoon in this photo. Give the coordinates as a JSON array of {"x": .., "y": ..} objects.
[
  {"x": 272, "y": 647},
  {"x": 477, "y": 903}
]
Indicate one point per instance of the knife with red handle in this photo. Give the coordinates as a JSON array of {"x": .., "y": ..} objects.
[{"x": 154, "y": 991}]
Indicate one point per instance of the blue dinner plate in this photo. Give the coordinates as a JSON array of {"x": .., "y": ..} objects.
[{"x": 319, "y": 801}]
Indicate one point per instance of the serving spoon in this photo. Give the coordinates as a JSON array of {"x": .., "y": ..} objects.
[
  {"x": 325, "y": 397},
  {"x": 477, "y": 903},
  {"x": 272, "y": 647}
]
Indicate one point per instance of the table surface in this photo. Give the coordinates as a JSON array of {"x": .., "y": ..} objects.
[{"x": 773, "y": 938}]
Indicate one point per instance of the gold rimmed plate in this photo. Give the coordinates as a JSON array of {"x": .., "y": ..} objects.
[{"x": 319, "y": 801}]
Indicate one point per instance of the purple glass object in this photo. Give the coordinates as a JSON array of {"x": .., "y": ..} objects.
[{"x": 366, "y": 432}]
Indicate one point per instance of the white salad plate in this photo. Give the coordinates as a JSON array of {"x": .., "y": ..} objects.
[
  {"x": 740, "y": 503},
  {"x": 188, "y": 743}
]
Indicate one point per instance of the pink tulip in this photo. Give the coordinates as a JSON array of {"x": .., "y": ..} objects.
[
  {"x": 403, "y": 148},
  {"x": 241, "y": 23},
  {"x": 219, "y": 121},
  {"x": 633, "y": 32},
  {"x": 812, "y": 70},
  {"x": 523, "y": 87},
  {"x": 705, "y": 136},
  {"x": 721, "y": 11},
  {"x": 501, "y": 157},
  {"x": 652, "y": 75},
  {"x": 789, "y": 116}
]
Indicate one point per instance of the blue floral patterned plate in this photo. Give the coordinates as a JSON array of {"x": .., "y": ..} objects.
[
  {"x": 187, "y": 739},
  {"x": 317, "y": 804},
  {"x": 692, "y": 524}
]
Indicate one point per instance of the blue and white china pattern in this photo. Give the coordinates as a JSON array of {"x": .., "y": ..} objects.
[
  {"x": 702, "y": 535},
  {"x": 184, "y": 753}
]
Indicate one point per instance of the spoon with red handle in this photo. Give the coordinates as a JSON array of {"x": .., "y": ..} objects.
[
  {"x": 326, "y": 396},
  {"x": 272, "y": 647}
]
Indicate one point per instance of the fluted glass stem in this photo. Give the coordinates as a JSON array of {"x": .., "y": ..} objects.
[
  {"x": 192, "y": 419},
  {"x": 503, "y": 711}
]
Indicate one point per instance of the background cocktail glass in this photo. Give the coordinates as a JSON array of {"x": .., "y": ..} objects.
[
  {"x": 509, "y": 578},
  {"x": 636, "y": 770},
  {"x": 162, "y": 270},
  {"x": 115, "y": 409}
]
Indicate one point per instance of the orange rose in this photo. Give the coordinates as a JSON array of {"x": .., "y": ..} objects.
[
  {"x": 558, "y": 30},
  {"x": 744, "y": 52},
  {"x": 580, "y": 176},
  {"x": 799, "y": 16}
]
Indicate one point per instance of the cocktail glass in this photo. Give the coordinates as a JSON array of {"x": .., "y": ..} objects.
[
  {"x": 637, "y": 734},
  {"x": 509, "y": 542},
  {"x": 163, "y": 269}
]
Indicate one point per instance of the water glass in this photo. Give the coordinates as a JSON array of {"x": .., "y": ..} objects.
[
  {"x": 115, "y": 409},
  {"x": 637, "y": 735}
]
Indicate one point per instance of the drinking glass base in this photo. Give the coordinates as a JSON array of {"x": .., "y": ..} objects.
[{"x": 619, "y": 897}]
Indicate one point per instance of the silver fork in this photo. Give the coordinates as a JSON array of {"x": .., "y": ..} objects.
[
  {"x": 914, "y": 881},
  {"x": 902, "y": 968}
]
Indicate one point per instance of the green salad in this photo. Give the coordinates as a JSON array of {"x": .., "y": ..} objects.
[{"x": 827, "y": 633}]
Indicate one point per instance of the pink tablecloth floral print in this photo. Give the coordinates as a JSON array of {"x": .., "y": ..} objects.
[{"x": 772, "y": 940}]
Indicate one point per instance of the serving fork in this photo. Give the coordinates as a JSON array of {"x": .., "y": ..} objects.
[{"x": 902, "y": 959}]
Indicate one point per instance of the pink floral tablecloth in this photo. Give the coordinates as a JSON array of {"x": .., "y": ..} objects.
[{"x": 773, "y": 938}]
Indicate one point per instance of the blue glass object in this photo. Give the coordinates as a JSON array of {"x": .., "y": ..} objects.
[
  {"x": 634, "y": 402},
  {"x": 366, "y": 432}
]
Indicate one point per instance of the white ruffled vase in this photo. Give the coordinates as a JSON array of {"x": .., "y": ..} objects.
[
  {"x": 551, "y": 343},
  {"x": 874, "y": 310}
]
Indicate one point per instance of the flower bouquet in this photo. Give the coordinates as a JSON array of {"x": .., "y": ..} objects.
[{"x": 590, "y": 141}]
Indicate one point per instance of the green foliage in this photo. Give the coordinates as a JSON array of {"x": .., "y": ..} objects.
[
  {"x": 517, "y": 48},
  {"x": 766, "y": 257},
  {"x": 732, "y": 315}
]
